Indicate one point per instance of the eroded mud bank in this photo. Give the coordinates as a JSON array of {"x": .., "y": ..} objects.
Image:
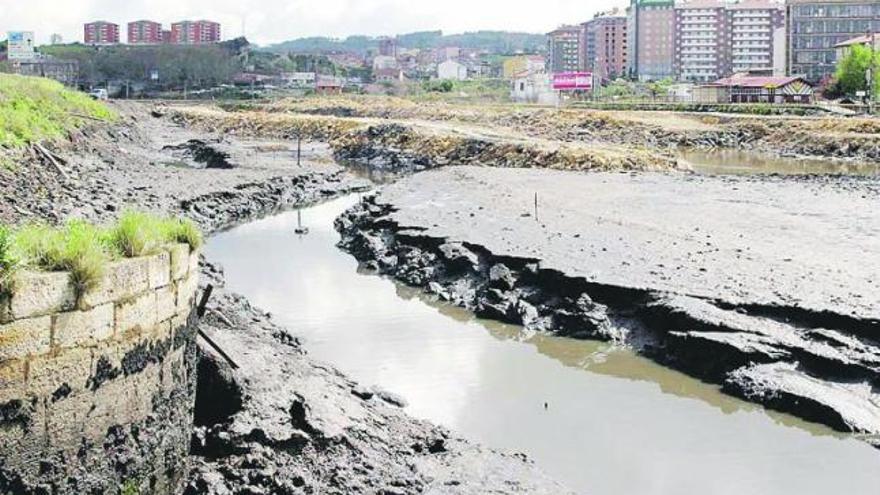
[{"x": 811, "y": 357}]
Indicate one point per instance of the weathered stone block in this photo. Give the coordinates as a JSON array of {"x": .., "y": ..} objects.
[
  {"x": 124, "y": 279},
  {"x": 193, "y": 263},
  {"x": 166, "y": 303},
  {"x": 159, "y": 270},
  {"x": 40, "y": 294},
  {"x": 179, "y": 261},
  {"x": 135, "y": 316},
  {"x": 186, "y": 292},
  {"x": 84, "y": 328},
  {"x": 48, "y": 374},
  {"x": 5, "y": 311},
  {"x": 12, "y": 380},
  {"x": 28, "y": 337}
]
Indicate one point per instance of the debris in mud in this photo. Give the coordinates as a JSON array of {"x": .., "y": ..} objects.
[{"x": 197, "y": 151}]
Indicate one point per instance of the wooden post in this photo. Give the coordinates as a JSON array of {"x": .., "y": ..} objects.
[
  {"x": 536, "y": 207},
  {"x": 298, "y": 149}
]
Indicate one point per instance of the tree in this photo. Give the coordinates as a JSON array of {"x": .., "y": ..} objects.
[{"x": 851, "y": 74}]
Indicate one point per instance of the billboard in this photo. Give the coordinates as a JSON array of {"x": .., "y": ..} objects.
[
  {"x": 573, "y": 81},
  {"x": 21, "y": 45}
]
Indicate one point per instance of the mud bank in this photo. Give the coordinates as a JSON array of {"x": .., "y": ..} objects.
[
  {"x": 758, "y": 302},
  {"x": 828, "y": 137},
  {"x": 407, "y": 146},
  {"x": 285, "y": 424}
]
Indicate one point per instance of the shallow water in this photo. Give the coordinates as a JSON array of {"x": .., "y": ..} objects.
[
  {"x": 734, "y": 162},
  {"x": 615, "y": 423}
]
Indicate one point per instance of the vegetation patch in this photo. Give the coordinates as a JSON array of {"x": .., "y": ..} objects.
[
  {"x": 84, "y": 249},
  {"x": 34, "y": 109}
]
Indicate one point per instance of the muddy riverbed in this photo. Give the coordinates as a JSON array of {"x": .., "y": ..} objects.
[{"x": 613, "y": 422}]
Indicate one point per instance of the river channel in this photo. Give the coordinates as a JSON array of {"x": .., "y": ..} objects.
[{"x": 614, "y": 423}]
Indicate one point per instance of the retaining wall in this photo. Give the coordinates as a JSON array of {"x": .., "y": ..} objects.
[{"x": 96, "y": 391}]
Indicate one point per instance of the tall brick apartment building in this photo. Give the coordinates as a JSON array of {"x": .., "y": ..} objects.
[
  {"x": 101, "y": 33},
  {"x": 195, "y": 32},
  {"x": 144, "y": 33},
  {"x": 606, "y": 45}
]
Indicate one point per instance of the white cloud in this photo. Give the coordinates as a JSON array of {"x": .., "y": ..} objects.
[{"x": 270, "y": 21}]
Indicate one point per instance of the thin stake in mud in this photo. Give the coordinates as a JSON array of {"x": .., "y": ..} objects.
[
  {"x": 200, "y": 312},
  {"x": 298, "y": 149},
  {"x": 536, "y": 207}
]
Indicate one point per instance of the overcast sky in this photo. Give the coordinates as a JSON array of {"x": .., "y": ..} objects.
[{"x": 271, "y": 21}]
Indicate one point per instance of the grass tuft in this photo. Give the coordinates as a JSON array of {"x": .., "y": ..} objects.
[
  {"x": 138, "y": 234},
  {"x": 79, "y": 247},
  {"x": 85, "y": 250}
]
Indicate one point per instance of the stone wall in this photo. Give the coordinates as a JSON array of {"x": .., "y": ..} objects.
[{"x": 96, "y": 391}]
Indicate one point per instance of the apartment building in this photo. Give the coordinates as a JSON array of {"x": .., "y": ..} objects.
[
  {"x": 101, "y": 33},
  {"x": 651, "y": 43},
  {"x": 144, "y": 33},
  {"x": 816, "y": 27},
  {"x": 717, "y": 38},
  {"x": 195, "y": 32},
  {"x": 702, "y": 47},
  {"x": 566, "y": 49},
  {"x": 605, "y": 45}
]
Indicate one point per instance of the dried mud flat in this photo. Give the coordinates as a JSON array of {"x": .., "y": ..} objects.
[{"x": 761, "y": 285}]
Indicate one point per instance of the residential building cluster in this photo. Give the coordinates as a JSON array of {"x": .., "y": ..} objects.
[
  {"x": 707, "y": 40},
  {"x": 146, "y": 32}
]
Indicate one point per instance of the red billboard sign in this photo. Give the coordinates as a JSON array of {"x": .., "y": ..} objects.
[{"x": 573, "y": 81}]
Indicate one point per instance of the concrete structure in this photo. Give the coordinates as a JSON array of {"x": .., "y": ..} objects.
[
  {"x": 385, "y": 62},
  {"x": 750, "y": 89},
  {"x": 815, "y": 27},
  {"x": 843, "y": 49},
  {"x": 566, "y": 49},
  {"x": 533, "y": 87},
  {"x": 606, "y": 45},
  {"x": 388, "y": 47},
  {"x": 388, "y": 75},
  {"x": 513, "y": 66},
  {"x": 717, "y": 38},
  {"x": 97, "y": 389},
  {"x": 195, "y": 32},
  {"x": 63, "y": 71},
  {"x": 101, "y": 33},
  {"x": 452, "y": 70},
  {"x": 651, "y": 35},
  {"x": 144, "y": 33}
]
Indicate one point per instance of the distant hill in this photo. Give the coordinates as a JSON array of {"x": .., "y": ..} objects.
[{"x": 493, "y": 41}]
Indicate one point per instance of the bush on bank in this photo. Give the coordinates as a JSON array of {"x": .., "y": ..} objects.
[{"x": 84, "y": 249}]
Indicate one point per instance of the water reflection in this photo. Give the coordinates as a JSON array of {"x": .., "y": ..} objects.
[
  {"x": 737, "y": 162},
  {"x": 616, "y": 423}
]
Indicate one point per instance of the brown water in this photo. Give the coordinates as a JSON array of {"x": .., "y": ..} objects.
[
  {"x": 616, "y": 423},
  {"x": 734, "y": 162}
]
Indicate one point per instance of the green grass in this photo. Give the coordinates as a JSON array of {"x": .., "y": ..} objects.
[
  {"x": 85, "y": 250},
  {"x": 141, "y": 234},
  {"x": 8, "y": 261},
  {"x": 34, "y": 109}
]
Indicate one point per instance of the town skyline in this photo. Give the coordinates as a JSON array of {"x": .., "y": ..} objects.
[{"x": 274, "y": 21}]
